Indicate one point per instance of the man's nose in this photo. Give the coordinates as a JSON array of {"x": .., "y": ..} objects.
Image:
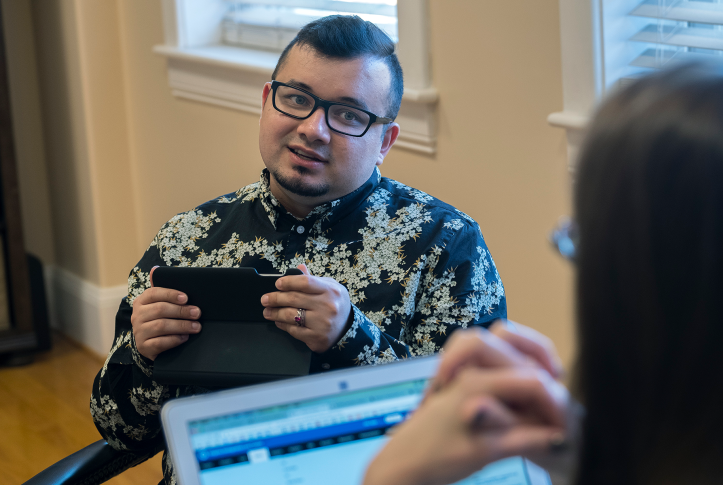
[{"x": 314, "y": 128}]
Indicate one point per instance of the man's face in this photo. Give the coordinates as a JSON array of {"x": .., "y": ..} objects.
[{"x": 309, "y": 163}]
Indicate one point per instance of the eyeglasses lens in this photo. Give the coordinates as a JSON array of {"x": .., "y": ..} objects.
[
  {"x": 565, "y": 238},
  {"x": 341, "y": 118},
  {"x": 347, "y": 120}
]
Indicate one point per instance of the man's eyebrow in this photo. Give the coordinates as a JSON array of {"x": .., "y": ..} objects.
[
  {"x": 354, "y": 101},
  {"x": 299, "y": 84},
  {"x": 343, "y": 99}
]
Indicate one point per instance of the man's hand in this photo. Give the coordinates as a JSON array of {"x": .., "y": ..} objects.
[
  {"x": 327, "y": 305},
  {"x": 162, "y": 320}
]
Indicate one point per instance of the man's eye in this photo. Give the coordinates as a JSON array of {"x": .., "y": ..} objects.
[
  {"x": 349, "y": 116},
  {"x": 297, "y": 99}
]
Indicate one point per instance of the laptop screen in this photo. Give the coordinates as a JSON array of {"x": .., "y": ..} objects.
[{"x": 327, "y": 440}]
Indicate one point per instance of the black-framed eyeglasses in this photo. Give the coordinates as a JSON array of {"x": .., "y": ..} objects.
[
  {"x": 565, "y": 238},
  {"x": 342, "y": 118}
]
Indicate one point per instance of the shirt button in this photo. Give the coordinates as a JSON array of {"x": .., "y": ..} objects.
[
  {"x": 300, "y": 229},
  {"x": 325, "y": 366}
]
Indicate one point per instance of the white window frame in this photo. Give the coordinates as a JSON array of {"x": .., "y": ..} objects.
[
  {"x": 582, "y": 69},
  {"x": 201, "y": 69}
]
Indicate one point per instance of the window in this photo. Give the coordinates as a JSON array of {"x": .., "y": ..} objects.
[
  {"x": 643, "y": 36},
  {"x": 272, "y": 24},
  {"x": 609, "y": 42},
  {"x": 223, "y": 51}
]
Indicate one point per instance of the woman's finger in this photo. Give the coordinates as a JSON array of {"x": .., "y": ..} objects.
[
  {"x": 531, "y": 343},
  {"x": 304, "y": 269},
  {"x": 475, "y": 348},
  {"x": 530, "y": 441},
  {"x": 485, "y": 412},
  {"x": 531, "y": 393}
]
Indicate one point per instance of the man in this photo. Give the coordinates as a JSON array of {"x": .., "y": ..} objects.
[{"x": 389, "y": 270}]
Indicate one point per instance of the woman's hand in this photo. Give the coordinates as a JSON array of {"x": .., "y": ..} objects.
[
  {"x": 505, "y": 344},
  {"x": 494, "y": 396},
  {"x": 480, "y": 417}
]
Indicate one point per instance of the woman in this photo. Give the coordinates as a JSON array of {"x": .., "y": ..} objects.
[{"x": 649, "y": 256}]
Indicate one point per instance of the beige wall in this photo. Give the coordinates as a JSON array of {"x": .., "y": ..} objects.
[
  {"x": 28, "y": 129},
  {"x": 184, "y": 153},
  {"x": 132, "y": 155},
  {"x": 86, "y": 140},
  {"x": 497, "y": 67}
]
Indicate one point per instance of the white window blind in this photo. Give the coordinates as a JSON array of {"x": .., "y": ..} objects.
[
  {"x": 641, "y": 36},
  {"x": 272, "y": 24}
]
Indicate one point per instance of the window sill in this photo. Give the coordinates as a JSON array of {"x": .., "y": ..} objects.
[
  {"x": 232, "y": 77},
  {"x": 567, "y": 120},
  {"x": 575, "y": 125}
]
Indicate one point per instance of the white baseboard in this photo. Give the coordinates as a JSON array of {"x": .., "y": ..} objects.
[{"x": 82, "y": 310}]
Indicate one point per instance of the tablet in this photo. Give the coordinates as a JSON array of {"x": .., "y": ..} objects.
[
  {"x": 320, "y": 429},
  {"x": 237, "y": 345}
]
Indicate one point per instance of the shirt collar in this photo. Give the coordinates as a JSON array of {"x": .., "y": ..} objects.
[{"x": 330, "y": 212}]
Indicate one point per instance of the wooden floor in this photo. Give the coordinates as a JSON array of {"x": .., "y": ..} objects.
[{"x": 44, "y": 415}]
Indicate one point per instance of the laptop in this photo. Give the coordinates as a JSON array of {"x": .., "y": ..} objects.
[{"x": 319, "y": 429}]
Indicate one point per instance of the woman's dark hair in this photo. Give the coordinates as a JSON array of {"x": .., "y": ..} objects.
[
  {"x": 649, "y": 206},
  {"x": 349, "y": 37}
]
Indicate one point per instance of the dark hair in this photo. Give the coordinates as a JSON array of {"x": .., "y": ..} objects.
[
  {"x": 349, "y": 37},
  {"x": 649, "y": 206}
]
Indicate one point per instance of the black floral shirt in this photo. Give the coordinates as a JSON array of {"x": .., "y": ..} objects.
[{"x": 416, "y": 269}]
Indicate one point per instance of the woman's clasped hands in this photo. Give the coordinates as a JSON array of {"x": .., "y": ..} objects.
[{"x": 495, "y": 395}]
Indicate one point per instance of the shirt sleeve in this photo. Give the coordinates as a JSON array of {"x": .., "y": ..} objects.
[
  {"x": 365, "y": 344},
  {"x": 455, "y": 284},
  {"x": 125, "y": 402}
]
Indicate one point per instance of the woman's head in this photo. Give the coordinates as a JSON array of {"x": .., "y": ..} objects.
[{"x": 649, "y": 207}]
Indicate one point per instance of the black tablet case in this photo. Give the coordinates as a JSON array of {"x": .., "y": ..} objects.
[{"x": 237, "y": 345}]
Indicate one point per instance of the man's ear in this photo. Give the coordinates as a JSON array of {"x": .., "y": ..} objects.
[
  {"x": 265, "y": 94},
  {"x": 390, "y": 136}
]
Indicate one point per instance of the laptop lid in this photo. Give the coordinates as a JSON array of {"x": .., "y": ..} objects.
[{"x": 320, "y": 429}]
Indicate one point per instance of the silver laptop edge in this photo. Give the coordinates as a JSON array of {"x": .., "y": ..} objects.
[{"x": 233, "y": 401}]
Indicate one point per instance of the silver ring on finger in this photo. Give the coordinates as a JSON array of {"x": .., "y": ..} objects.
[{"x": 300, "y": 317}]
